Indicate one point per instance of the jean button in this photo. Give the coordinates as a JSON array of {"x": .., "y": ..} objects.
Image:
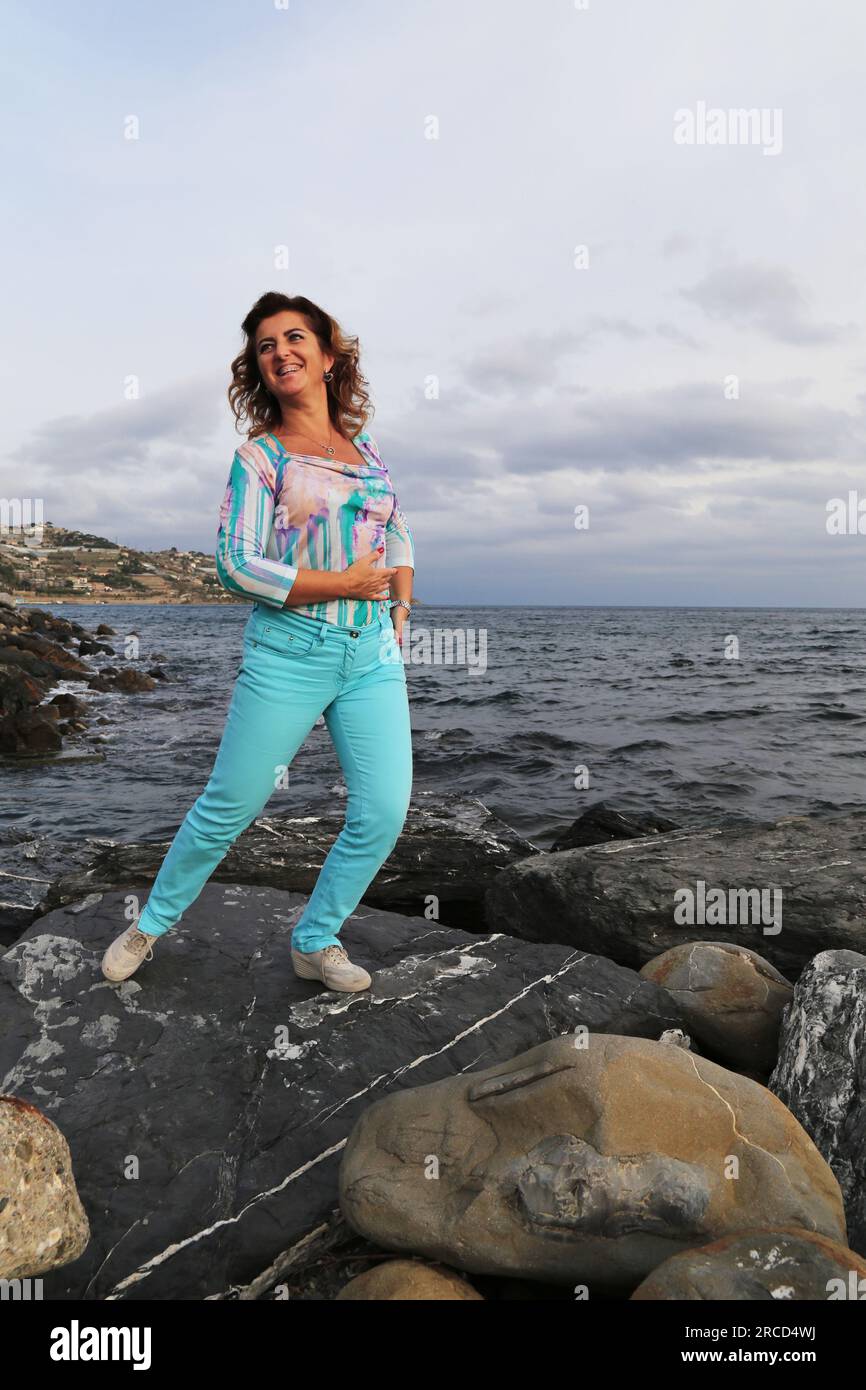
[{"x": 353, "y": 634}]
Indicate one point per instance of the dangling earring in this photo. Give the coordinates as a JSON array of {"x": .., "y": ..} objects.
[{"x": 328, "y": 376}]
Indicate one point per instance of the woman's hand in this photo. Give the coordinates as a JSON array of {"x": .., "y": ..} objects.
[{"x": 364, "y": 581}]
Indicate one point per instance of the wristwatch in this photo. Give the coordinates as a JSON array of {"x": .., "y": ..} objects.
[{"x": 402, "y": 603}]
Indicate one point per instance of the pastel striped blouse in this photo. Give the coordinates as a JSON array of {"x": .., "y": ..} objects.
[{"x": 282, "y": 512}]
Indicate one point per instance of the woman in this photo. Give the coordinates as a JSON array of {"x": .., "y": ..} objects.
[{"x": 311, "y": 530}]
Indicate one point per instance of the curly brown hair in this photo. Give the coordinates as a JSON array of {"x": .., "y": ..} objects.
[{"x": 349, "y": 405}]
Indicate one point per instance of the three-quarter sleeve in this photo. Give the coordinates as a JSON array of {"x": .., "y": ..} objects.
[
  {"x": 245, "y": 528},
  {"x": 399, "y": 543}
]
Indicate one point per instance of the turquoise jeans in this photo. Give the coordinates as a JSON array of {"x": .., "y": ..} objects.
[{"x": 294, "y": 669}]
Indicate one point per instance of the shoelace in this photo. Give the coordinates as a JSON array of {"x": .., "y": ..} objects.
[
  {"x": 335, "y": 954},
  {"x": 138, "y": 943}
]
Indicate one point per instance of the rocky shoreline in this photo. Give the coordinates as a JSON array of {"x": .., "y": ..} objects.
[
  {"x": 37, "y": 652},
  {"x": 571, "y": 1093}
]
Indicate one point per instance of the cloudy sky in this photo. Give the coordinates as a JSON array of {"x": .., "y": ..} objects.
[{"x": 562, "y": 299}]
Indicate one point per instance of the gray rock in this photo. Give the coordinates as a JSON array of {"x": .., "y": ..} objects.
[
  {"x": 619, "y": 899},
  {"x": 821, "y": 1072},
  {"x": 208, "y": 1099},
  {"x": 602, "y": 823},
  {"x": 28, "y": 865}
]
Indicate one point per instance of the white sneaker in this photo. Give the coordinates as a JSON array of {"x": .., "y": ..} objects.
[
  {"x": 126, "y": 953},
  {"x": 333, "y": 967}
]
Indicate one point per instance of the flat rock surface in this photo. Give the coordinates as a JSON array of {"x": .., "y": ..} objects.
[{"x": 207, "y": 1100}]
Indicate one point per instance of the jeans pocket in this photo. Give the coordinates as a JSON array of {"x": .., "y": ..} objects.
[{"x": 283, "y": 641}]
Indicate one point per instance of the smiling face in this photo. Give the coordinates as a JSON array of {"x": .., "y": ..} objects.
[{"x": 290, "y": 358}]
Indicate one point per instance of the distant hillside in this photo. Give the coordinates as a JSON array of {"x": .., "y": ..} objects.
[
  {"x": 62, "y": 537},
  {"x": 82, "y": 568}
]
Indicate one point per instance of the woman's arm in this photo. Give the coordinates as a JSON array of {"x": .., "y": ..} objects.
[
  {"x": 245, "y": 518},
  {"x": 361, "y": 580},
  {"x": 400, "y": 552},
  {"x": 399, "y": 544}
]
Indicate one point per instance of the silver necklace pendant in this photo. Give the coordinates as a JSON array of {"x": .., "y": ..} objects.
[{"x": 328, "y": 448}]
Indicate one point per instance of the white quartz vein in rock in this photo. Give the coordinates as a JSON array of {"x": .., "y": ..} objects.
[
  {"x": 143, "y": 1271},
  {"x": 733, "y": 1116},
  {"x": 308, "y": 1013},
  {"x": 452, "y": 1042}
]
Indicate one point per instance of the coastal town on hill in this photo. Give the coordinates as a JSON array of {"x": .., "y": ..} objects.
[{"x": 75, "y": 567}]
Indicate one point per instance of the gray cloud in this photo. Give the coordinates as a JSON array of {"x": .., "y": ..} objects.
[
  {"x": 676, "y": 335},
  {"x": 677, "y": 244},
  {"x": 764, "y": 297},
  {"x": 688, "y": 424}
]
